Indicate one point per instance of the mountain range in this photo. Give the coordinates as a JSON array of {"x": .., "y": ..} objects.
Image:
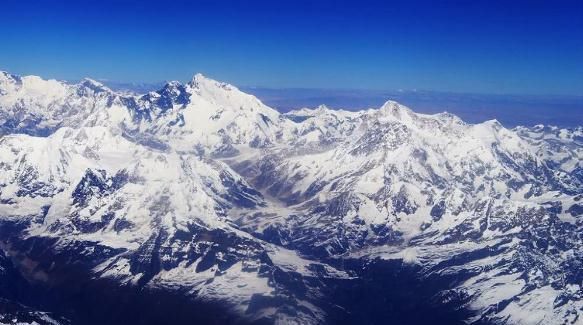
[{"x": 198, "y": 202}]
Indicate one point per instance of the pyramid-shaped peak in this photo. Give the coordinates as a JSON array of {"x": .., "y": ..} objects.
[
  {"x": 395, "y": 109},
  {"x": 200, "y": 81},
  {"x": 93, "y": 85},
  {"x": 92, "y": 82},
  {"x": 199, "y": 78},
  {"x": 393, "y": 105}
]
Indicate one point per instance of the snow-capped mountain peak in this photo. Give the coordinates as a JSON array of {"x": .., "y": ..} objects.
[
  {"x": 202, "y": 83},
  {"x": 89, "y": 86},
  {"x": 88, "y": 82},
  {"x": 228, "y": 96},
  {"x": 395, "y": 109}
]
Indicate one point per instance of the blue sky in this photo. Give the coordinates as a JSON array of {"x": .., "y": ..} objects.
[{"x": 532, "y": 47}]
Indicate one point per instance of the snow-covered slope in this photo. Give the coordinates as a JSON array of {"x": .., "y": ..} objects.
[
  {"x": 159, "y": 218},
  {"x": 201, "y": 189},
  {"x": 452, "y": 197}
]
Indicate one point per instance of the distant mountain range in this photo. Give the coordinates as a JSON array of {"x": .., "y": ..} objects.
[
  {"x": 198, "y": 203},
  {"x": 511, "y": 110}
]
